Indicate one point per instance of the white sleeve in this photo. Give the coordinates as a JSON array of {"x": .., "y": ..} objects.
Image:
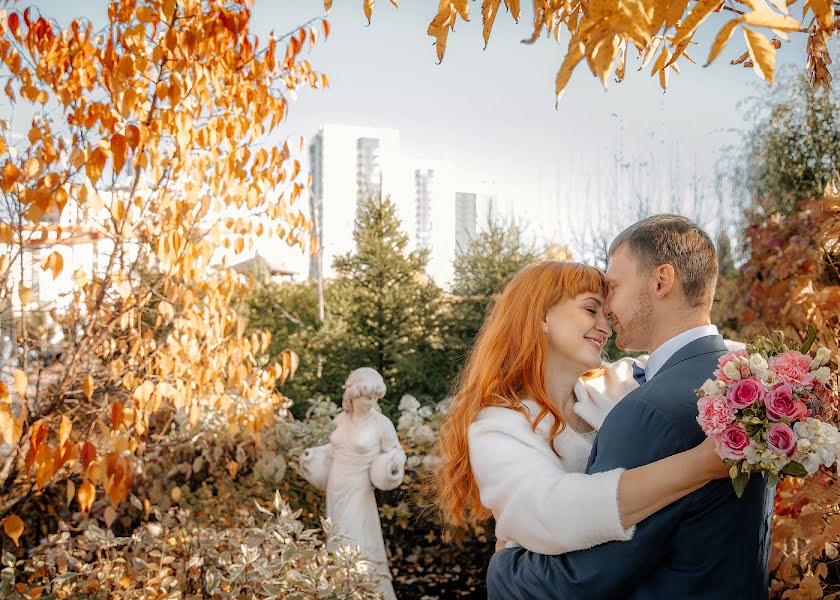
[{"x": 535, "y": 502}]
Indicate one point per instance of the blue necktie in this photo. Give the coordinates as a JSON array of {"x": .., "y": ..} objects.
[{"x": 639, "y": 374}]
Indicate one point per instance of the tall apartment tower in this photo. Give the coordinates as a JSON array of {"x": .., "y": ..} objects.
[
  {"x": 466, "y": 219},
  {"x": 424, "y": 184},
  {"x": 347, "y": 165}
]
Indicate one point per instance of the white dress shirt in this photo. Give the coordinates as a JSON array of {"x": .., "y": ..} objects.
[{"x": 661, "y": 355}]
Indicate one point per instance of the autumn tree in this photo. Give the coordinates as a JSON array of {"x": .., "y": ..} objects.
[
  {"x": 605, "y": 33},
  {"x": 148, "y": 137}
]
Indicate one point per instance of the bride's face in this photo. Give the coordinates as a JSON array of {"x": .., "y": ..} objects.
[{"x": 576, "y": 332}]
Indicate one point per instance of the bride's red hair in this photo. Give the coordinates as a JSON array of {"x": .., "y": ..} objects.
[{"x": 505, "y": 366}]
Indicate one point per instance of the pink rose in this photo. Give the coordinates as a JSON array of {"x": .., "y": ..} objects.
[
  {"x": 792, "y": 368},
  {"x": 732, "y": 442},
  {"x": 743, "y": 393},
  {"x": 714, "y": 414},
  {"x": 730, "y": 357},
  {"x": 781, "y": 439},
  {"x": 780, "y": 403}
]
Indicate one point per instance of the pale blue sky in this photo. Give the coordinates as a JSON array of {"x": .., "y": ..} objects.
[{"x": 491, "y": 112}]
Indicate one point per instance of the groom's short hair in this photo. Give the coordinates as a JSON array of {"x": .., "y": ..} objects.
[{"x": 679, "y": 242}]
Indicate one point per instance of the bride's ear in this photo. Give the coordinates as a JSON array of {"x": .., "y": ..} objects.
[{"x": 545, "y": 326}]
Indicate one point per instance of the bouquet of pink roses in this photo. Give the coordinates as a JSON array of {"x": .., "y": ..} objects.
[{"x": 772, "y": 409}]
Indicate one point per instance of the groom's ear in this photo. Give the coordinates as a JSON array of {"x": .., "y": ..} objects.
[{"x": 665, "y": 278}]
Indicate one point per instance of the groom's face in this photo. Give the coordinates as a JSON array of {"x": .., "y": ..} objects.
[{"x": 629, "y": 303}]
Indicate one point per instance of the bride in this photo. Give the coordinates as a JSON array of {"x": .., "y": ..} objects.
[{"x": 534, "y": 391}]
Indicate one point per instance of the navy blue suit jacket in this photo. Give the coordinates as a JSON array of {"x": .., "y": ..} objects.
[{"x": 709, "y": 545}]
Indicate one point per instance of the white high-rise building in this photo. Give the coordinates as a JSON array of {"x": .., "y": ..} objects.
[
  {"x": 347, "y": 164},
  {"x": 424, "y": 182},
  {"x": 434, "y": 206},
  {"x": 465, "y": 219}
]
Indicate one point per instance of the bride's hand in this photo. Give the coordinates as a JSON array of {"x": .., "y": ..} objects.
[{"x": 709, "y": 460}]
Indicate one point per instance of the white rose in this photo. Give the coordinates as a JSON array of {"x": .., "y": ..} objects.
[
  {"x": 758, "y": 364},
  {"x": 712, "y": 387},
  {"x": 752, "y": 453},
  {"x": 744, "y": 360},
  {"x": 823, "y": 357},
  {"x": 732, "y": 370},
  {"x": 811, "y": 462},
  {"x": 823, "y": 374},
  {"x": 768, "y": 378}
]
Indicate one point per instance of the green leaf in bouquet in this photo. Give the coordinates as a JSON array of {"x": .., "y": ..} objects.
[
  {"x": 772, "y": 480},
  {"x": 794, "y": 469},
  {"x": 810, "y": 338},
  {"x": 740, "y": 483},
  {"x": 753, "y": 429}
]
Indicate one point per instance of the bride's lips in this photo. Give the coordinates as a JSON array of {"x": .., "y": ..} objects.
[{"x": 597, "y": 342}]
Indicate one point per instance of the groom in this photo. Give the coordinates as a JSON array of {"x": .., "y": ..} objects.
[{"x": 711, "y": 544}]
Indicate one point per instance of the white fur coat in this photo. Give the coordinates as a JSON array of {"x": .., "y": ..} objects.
[{"x": 541, "y": 502}]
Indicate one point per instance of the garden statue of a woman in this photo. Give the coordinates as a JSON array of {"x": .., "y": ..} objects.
[{"x": 364, "y": 452}]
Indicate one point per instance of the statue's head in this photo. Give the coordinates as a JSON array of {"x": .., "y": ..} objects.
[{"x": 364, "y": 385}]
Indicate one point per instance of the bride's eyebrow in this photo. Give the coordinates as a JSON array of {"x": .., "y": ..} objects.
[{"x": 597, "y": 301}]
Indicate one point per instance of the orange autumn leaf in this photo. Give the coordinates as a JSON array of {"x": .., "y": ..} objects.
[
  {"x": 88, "y": 386},
  {"x": 132, "y": 136},
  {"x": 86, "y": 494},
  {"x": 117, "y": 415},
  {"x": 88, "y": 453},
  {"x": 118, "y": 151},
  {"x": 13, "y": 527},
  {"x": 64, "y": 430}
]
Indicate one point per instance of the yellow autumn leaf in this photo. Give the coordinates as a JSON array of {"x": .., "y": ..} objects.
[
  {"x": 21, "y": 382},
  {"x": 233, "y": 468},
  {"x": 489, "y": 10},
  {"x": 64, "y": 430},
  {"x": 4, "y": 264},
  {"x": 25, "y": 295},
  {"x": 80, "y": 277},
  {"x": 87, "y": 386},
  {"x": 55, "y": 263},
  {"x": 823, "y": 11},
  {"x": 514, "y": 8},
  {"x": 767, "y": 18},
  {"x": 166, "y": 310},
  {"x": 86, "y": 495},
  {"x": 13, "y": 526},
  {"x": 762, "y": 53},
  {"x": 659, "y": 63},
  {"x": 701, "y": 10},
  {"x": 440, "y": 25},
  {"x": 650, "y": 50},
  {"x": 95, "y": 163},
  {"x": 573, "y": 56},
  {"x": 71, "y": 492},
  {"x": 723, "y": 36},
  {"x": 10, "y": 426}
]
